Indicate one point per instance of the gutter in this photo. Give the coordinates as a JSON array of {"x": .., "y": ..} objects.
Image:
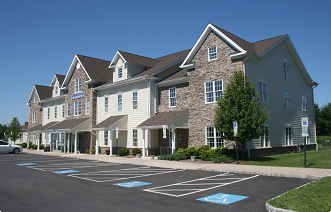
[{"x": 173, "y": 82}]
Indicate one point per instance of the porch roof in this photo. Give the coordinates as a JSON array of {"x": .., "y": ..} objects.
[
  {"x": 72, "y": 124},
  {"x": 165, "y": 118},
  {"x": 35, "y": 128},
  {"x": 46, "y": 126},
  {"x": 109, "y": 122}
]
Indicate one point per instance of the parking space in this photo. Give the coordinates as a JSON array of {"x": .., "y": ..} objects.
[{"x": 189, "y": 189}]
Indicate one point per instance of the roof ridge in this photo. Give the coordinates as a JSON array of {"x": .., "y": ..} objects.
[
  {"x": 173, "y": 53},
  {"x": 61, "y": 74},
  {"x": 269, "y": 38},
  {"x": 231, "y": 34},
  {"x": 92, "y": 57},
  {"x": 43, "y": 85},
  {"x": 136, "y": 55}
]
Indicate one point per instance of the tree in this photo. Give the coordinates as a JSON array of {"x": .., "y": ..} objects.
[
  {"x": 323, "y": 120},
  {"x": 14, "y": 129},
  {"x": 3, "y": 132},
  {"x": 240, "y": 103}
]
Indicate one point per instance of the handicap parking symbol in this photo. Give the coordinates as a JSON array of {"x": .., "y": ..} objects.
[
  {"x": 221, "y": 198},
  {"x": 65, "y": 171},
  {"x": 26, "y": 164},
  {"x": 132, "y": 184}
]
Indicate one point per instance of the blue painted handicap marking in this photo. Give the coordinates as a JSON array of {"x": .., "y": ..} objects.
[
  {"x": 65, "y": 171},
  {"x": 26, "y": 164},
  {"x": 132, "y": 184},
  {"x": 224, "y": 199}
]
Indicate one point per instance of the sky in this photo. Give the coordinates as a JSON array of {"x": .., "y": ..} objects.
[{"x": 40, "y": 38}]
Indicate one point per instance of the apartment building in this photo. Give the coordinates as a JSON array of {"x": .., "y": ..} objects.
[{"x": 132, "y": 100}]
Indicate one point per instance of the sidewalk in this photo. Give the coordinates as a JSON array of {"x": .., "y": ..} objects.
[{"x": 291, "y": 172}]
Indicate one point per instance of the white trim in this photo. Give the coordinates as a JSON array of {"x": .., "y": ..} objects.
[
  {"x": 213, "y": 53},
  {"x": 267, "y": 90},
  {"x": 117, "y": 54},
  {"x": 34, "y": 87},
  {"x": 169, "y": 97},
  {"x": 273, "y": 46},
  {"x": 173, "y": 82},
  {"x": 132, "y": 92}
]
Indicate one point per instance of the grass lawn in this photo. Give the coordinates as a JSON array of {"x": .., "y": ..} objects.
[
  {"x": 315, "y": 196},
  {"x": 315, "y": 159}
]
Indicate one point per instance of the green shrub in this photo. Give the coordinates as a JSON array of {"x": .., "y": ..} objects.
[
  {"x": 41, "y": 146},
  {"x": 192, "y": 151},
  {"x": 123, "y": 152},
  {"x": 47, "y": 148},
  {"x": 24, "y": 145},
  {"x": 202, "y": 150},
  {"x": 167, "y": 157},
  {"x": 182, "y": 153},
  {"x": 92, "y": 151},
  {"x": 136, "y": 151},
  {"x": 87, "y": 151},
  {"x": 222, "y": 159},
  {"x": 180, "y": 157},
  {"x": 33, "y": 146}
]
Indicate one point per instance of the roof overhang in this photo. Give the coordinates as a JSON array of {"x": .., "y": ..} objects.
[
  {"x": 115, "y": 58},
  {"x": 53, "y": 99},
  {"x": 178, "y": 121},
  {"x": 34, "y": 88},
  {"x": 173, "y": 82},
  {"x": 187, "y": 62},
  {"x": 120, "y": 122}
]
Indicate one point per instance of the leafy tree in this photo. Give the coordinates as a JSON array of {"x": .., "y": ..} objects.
[
  {"x": 26, "y": 123},
  {"x": 240, "y": 103},
  {"x": 3, "y": 132},
  {"x": 14, "y": 129},
  {"x": 323, "y": 120}
]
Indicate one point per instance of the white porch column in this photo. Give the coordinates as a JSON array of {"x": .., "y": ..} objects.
[
  {"x": 38, "y": 140},
  {"x": 96, "y": 142},
  {"x": 64, "y": 142},
  {"x": 68, "y": 142},
  {"x": 28, "y": 145},
  {"x": 57, "y": 141},
  {"x": 173, "y": 142},
  {"x": 110, "y": 139},
  {"x": 76, "y": 140},
  {"x": 144, "y": 148}
]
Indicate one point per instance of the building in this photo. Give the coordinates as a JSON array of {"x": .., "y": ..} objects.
[{"x": 132, "y": 100}]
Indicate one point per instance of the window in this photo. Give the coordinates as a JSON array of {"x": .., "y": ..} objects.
[
  {"x": 288, "y": 136},
  {"x": 119, "y": 102},
  {"x": 106, "y": 104},
  {"x": 78, "y": 108},
  {"x": 214, "y": 138},
  {"x": 34, "y": 117},
  {"x": 304, "y": 103},
  {"x": 105, "y": 137},
  {"x": 119, "y": 72},
  {"x": 212, "y": 53},
  {"x": 172, "y": 97},
  {"x": 78, "y": 85},
  {"x": 48, "y": 113},
  {"x": 34, "y": 99},
  {"x": 135, "y": 137},
  {"x": 88, "y": 106},
  {"x": 287, "y": 98},
  {"x": 68, "y": 109},
  {"x": 263, "y": 92},
  {"x": 63, "y": 110},
  {"x": 135, "y": 100},
  {"x": 56, "y": 90},
  {"x": 213, "y": 91},
  {"x": 55, "y": 111},
  {"x": 265, "y": 137},
  {"x": 285, "y": 68}
]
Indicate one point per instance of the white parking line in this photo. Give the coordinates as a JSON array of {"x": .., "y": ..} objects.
[
  {"x": 167, "y": 189},
  {"x": 131, "y": 173},
  {"x": 76, "y": 165}
]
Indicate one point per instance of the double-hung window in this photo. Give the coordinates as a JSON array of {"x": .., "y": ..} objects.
[
  {"x": 135, "y": 137},
  {"x": 172, "y": 97},
  {"x": 134, "y": 99},
  {"x": 213, "y": 138},
  {"x": 213, "y": 91},
  {"x": 68, "y": 109},
  {"x": 285, "y": 68},
  {"x": 48, "y": 113},
  {"x": 56, "y": 90},
  {"x": 120, "y": 72},
  {"x": 77, "y": 108},
  {"x": 212, "y": 53},
  {"x": 88, "y": 106},
  {"x": 34, "y": 117},
  {"x": 55, "y": 111},
  {"x": 288, "y": 136},
  {"x": 78, "y": 85},
  {"x": 287, "y": 98},
  {"x": 105, "y": 137},
  {"x": 304, "y": 103},
  {"x": 119, "y": 102},
  {"x": 106, "y": 104},
  {"x": 263, "y": 91},
  {"x": 264, "y": 139},
  {"x": 63, "y": 110}
]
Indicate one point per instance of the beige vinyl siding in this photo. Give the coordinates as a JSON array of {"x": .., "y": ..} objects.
[
  {"x": 135, "y": 116},
  {"x": 51, "y": 105},
  {"x": 269, "y": 69},
  {"x": 124, "y": 71}
]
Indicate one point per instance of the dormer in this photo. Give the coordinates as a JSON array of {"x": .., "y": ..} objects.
[
  {"x": 56, "y": 84},
  {"x": 126, "y": 65}
]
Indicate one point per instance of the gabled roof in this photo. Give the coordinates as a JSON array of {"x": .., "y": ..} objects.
[
  {"x": 35, "y": 128},
  {"x": 163, "y": 118},
  {"x": 109, "y": 121},
  {"x": 137, "y": 59},
  {"x": 60, "y": 78},
  {"x": 43, "y": 92},
  {"x": 177, "y": 75},
  {"x": 96, "y": 69}
]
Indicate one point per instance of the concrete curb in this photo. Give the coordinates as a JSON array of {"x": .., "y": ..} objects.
[{"x": 271, "y": 208}]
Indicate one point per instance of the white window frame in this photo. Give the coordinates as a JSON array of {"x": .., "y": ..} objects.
[
  {"x": 263, "y": 91},
  {"x": 135, "y": 137},
  {"x": 172, "y": 99},
  {"x": 78, "y": 85},
  {"x": 119, "y": 74},
  {"x": 288, "y": 136},
  {"x": 55, "y": 111},
  {"x": 119, "y": 102},
  {"x": 34, "y": 117},
  {"x": 68, "y": 109},
  {"x": 56, "y": 89},
  {"x": 215, "y": 136},
  {"x": 48, "y": 112},
  {"x": 287, "y": 98},
  {"x": 105, "y": 137},
  {"x": 106, "y": 104},
  {"x": 63, "y": 110},
  {"x": 134, "y": 99},
  {"x": 285, "y": 69},
  {"x": 214, "y": 91},
  {"x": 304, "y": 103},
  {"x": 214, "y": 54},
  {"x": 265, "y": 137},
  {"x": 77, "y": 108},
  {"x": 88, "y": 106}
]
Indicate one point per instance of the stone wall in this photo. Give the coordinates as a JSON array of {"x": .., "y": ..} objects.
[
  {"x": 182, "y": 95},
  {"x": 202, "y": 114},
  {"x": 181, "y": 138},
  {"x": 34, "y": 107}
]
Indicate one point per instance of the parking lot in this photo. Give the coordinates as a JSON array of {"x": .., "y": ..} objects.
[{"x": 32, "y": 182}]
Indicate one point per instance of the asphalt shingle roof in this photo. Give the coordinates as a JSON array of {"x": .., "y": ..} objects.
[
  {"x": 109, "y": 121},
  {"x": 36, "y": 128},
  {"x": 97, "y": 69},
  {"x": 68, "y": 124},
  {"x": 139, "y": 60},
  {"x": 44, "y": 92},
  {"x": 179, "y": 74},
  {"x": 46, "y": 126},
  {"x": 60, "y": 77},
  {"x": 163, "y": 118}
]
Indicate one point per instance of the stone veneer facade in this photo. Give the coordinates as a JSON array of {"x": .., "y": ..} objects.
[
  {"x": 202, "y": 114},
  {"x": 34, "y": 107},
  {"x": 182, "y": 97}
]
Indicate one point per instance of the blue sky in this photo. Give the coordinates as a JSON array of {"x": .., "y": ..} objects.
[{"x": 40, "y": 38}]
